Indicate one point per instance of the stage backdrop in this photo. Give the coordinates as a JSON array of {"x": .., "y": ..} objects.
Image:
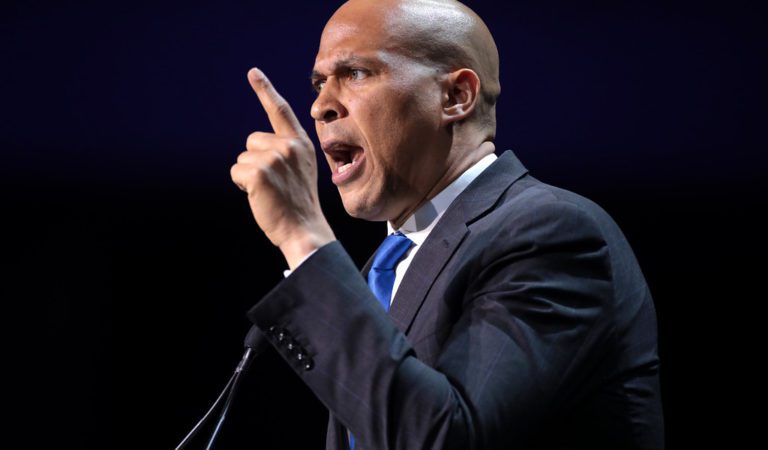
[{"x": 131, "y": 258}]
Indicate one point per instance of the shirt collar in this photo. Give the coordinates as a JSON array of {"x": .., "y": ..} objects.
[{"x": 418, "y": 225}]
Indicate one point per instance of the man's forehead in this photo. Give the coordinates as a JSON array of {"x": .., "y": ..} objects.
[
  {"x": 352, "y": 32},
  {"x": 348, "y": 42}
]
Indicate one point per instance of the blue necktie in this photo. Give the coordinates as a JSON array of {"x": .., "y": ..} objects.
[{"x": 381, "y": 277}]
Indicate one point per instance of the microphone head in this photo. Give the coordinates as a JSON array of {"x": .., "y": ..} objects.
[{"x": 256, "y": 341}]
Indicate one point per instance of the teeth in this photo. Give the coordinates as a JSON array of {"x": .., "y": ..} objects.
[{"x": 346, "y": 166}]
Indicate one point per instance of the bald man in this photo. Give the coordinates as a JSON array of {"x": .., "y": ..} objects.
[{"x": 517, "y": 316}]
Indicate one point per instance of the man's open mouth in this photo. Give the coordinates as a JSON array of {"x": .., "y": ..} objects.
[{"x": 345, "y": 157}]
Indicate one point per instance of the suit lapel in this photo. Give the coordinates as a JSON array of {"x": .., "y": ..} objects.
[
  {"x": 442, "y": 242},
  {"x": 430, "y": 260},
  {"x": 449, "y": 232}
]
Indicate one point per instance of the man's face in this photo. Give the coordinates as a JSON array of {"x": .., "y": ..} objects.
[{"x": 378, "y": 118}]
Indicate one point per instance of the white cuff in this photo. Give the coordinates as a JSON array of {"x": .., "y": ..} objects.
[{"x": 289, "y": 271}]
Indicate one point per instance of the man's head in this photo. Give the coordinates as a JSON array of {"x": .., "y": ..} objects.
[{"x": 406, "y": 94}]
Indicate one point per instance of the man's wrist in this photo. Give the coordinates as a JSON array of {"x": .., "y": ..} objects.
[{"x": 300, "y": 247}]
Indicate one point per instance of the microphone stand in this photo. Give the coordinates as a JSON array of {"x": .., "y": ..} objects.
[{"x": 255, "y": 344}]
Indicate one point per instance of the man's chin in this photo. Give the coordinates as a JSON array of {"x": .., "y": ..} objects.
[{"x": 361, "y": 209}]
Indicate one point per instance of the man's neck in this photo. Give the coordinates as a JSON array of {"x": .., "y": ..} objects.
[{"x": 452, "y": 172}]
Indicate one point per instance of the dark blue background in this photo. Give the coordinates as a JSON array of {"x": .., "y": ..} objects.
[{"x": 134, "y": 257}]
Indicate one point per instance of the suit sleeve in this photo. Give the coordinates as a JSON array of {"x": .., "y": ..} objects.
[{"x": 531, "y": 324}]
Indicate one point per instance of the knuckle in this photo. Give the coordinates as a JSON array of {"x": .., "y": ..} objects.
[
  {"x": 253, "y": 139},
  {"x": 294, "y": 145},
  {"x": 249, "y": 169},
  {"x": 282, "y": 107},
  {"x": 295, "y": 148},
  {"x": 235, "y": 173}
]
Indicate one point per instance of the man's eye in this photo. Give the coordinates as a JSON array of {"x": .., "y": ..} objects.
[
  {"x": 319, "y": 85},
  {"x": 356, "y": 74}
]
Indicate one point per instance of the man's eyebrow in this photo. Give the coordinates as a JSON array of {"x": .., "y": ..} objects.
[{"x": 345, "y": 63}]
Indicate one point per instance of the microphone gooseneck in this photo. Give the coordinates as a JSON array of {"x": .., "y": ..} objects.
[{"x": 255, "y": 344}]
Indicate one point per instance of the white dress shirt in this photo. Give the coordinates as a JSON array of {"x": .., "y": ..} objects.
[{"x": 418, "y": 226}]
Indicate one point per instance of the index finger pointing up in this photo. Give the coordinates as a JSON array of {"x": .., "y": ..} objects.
[{"x": 280, "y": 114}]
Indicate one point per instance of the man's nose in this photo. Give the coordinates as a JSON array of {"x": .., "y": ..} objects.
[{"x": 327, "y": 106}]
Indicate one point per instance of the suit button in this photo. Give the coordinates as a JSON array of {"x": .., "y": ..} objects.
[
  {"x": 291, "y": 345},
  {"x": 301, "y": 356},
  {"x": 281, "y": 336},
  {"x": 309, "y": 365},
  {"x": 271, "y": 329}
]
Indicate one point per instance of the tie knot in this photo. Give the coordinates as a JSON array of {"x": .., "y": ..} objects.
[{"x": 390, "y": 251}]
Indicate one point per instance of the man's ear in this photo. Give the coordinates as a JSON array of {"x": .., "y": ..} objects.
[{"x": 460, "y": 94}]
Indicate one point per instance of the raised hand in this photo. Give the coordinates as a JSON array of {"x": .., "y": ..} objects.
[{"x": 279, "y": 172}]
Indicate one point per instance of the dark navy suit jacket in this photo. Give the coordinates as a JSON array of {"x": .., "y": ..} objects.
[{"x": 523, "y": 322}]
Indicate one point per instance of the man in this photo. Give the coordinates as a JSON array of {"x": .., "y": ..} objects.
[{"x": 518, "y": 316}]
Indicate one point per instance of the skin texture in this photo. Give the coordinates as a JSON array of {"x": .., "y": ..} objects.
[{"x": 406, "y": 93}]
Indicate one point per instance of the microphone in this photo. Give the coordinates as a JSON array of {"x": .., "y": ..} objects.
[
  {"x": 255, "y": 344},
  {"x": 256, "y": 341}
]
